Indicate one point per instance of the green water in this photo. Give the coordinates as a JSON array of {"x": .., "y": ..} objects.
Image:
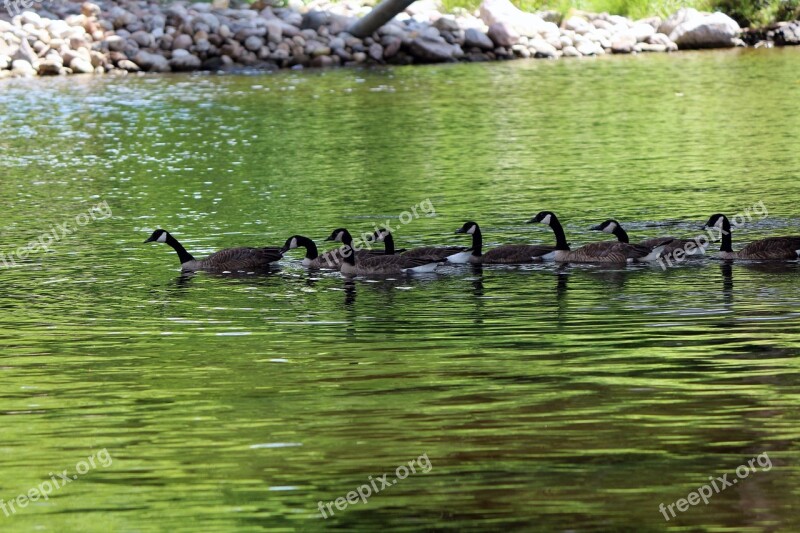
[{"x": 545, "y": 398}]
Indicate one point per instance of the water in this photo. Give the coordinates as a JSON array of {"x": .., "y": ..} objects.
[{"x": 544, "y": 398}]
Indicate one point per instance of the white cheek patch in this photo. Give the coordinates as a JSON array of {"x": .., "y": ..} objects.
[
  {"x": 339, "y": 236},
  {"x": 293, "y": 244},
  {"x": 471, "y": 230},
  {"x": 718, "y": 223},
  {"x": 610, "y": 228},
  {"x": 162, "y": 237},
  {"x": 546, "y": 220}
]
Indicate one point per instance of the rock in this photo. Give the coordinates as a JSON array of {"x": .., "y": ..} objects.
[
  {"x": 641, "y": 31},
  {"x": 253, "y": 43},
  {"x": 570, "y": 51},
  {"x": 434, "y": 51},
  {"x": 623, "y": 44},
  {"x": 127, "y": 65},
  {"x": 503, "y": 11},
  {"x": 143, "y": 39},
  {"x": 647, "y": 47},
  {"x": 474, "y": 38},
  {"x": 81, "y": 65},
  {"x": 543, "y": 48},
  {"x": 51, "y": 67},
  {"x": 579, "y": 25},
  {"x": 375, "y": 51},
  {"x": 314, "y": 19},
  {"x": 503, "y": 34},
  {"x": 676, "y": 19},
  {"x": 185, "y": 62},
  {"x": 447, "y": 23},
  {"x": 787, "y": 34},
  {"x": 182, "y": 41},
  {"x": 151, "y": 62},
  {"x": 89, "y": 9},
  {"x": 588, "y": 48},
  {"x": 21, "y": 67},
  {"x": 716, "y": 30},
  {"x": 26, "y": 53},
  {"x": 391, "y": 45}
]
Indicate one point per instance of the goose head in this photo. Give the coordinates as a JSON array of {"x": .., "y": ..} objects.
[
  {"x": 291, "y": 243},
  {"x": 158, "y": 235},
  {"x": 470, "y": 228},
  {"x": 609, "y": 226},
  {"x": 339, "y": 235},
  {"x": 543, "y": 217},
  {"x": 717, "y": 221},
  {"x": 381, "y": 234}
]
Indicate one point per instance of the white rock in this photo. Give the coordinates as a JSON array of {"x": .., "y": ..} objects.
[
  {"x": 503, "y": 11},
  {"x": 717, "y": 30},
  {"x": 20, "y": 67}
]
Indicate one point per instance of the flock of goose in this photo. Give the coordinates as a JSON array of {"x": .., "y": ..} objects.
[{"x": 350, "y": 261}]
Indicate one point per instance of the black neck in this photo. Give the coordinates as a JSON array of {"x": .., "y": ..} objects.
[
  {"x": 561, "y": 239},
  {"x": 183, "y": 255},
  {"x": 622, "y": 236},
  {"x": 308, "y": 244},
  {"x": 727, "y": 242},
  {"x": 388, "y": 244},
  {"x": 477, "y": 242},
  {"x": 347, "y": 250}
]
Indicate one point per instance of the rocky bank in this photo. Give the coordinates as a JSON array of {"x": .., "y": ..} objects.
[{"x": 62, "y": 37}]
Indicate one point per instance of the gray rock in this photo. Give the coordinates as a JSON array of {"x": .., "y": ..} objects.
[
  {"x": 143, "y": 39},
  {"x": 253, "y": 43},
  {"x": 391, "y": 45},
  {"x": 375, "y": 51},
  {"x": 151, "y": 62},
  {"x": 787, "y": 34},
  {"x": 502, "y": 34},
  {"x": 446, "y": 23},
  {"x": 185, "y": 62},
  {"x": 716, "y": 30},
  {"x": 182, "y": 41},
  {"x": 51, "y": 67},
  {"x": 676, "y": 19},
  {"x": 314, "y": 19},
  {"x": 474, "y": 38},
  {"x": 434, "y": 51}
]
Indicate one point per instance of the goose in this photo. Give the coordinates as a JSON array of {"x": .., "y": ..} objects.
[
  {"x": 433, "y": 253},
  {"x": 596, "y": 252},
  {"x": 331, "y": 259},
  {"x": 230, "y": 259},
  {"x": 364, "y": 265},
  {"x": 689, "y": 247},
  {"x": 771, "y": 248},
  {"x": 505, "y": 254}
]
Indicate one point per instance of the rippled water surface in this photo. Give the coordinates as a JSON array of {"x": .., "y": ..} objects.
[{"x": 566, "y": 399}]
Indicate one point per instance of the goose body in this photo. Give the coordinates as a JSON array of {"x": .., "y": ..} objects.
[
  {"x": 431, "y": 253},
  {"x": 366, "y": 265},
  {"x": 596, "y": 252},
  {"x": 689, "y": 247},
  {"x": 228, "y": 260},
  {"x": 505, "y": 254},
  {"x": 331, "y": 259},
  {"x": 769, "y": 249}
]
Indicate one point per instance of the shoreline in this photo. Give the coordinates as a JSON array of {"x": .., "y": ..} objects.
[{"x": 63, "y": 37}]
